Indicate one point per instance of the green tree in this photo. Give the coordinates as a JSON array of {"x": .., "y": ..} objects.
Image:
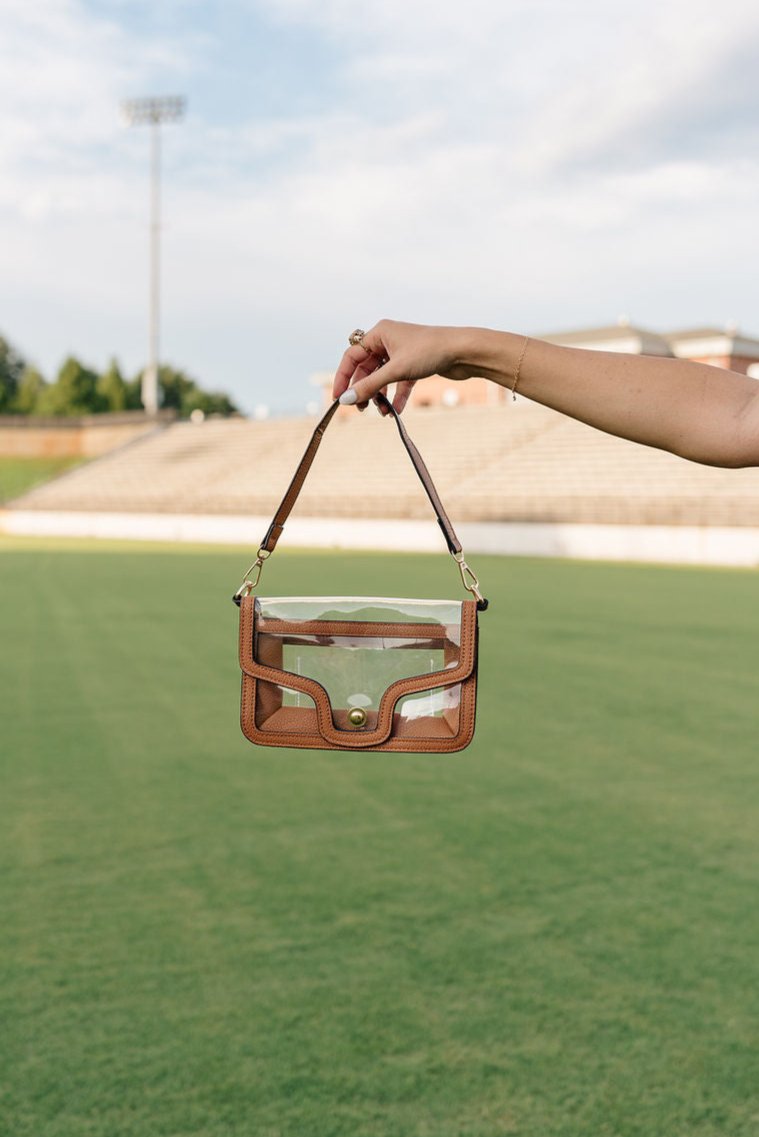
[
  {"x": 133, "y": 392},
  {"x": 11, "y": 369},
  {"x": 111, "y": 388},
  {"x": 51, "y": 401},
  {"x": 181, "y": 391},
  {"x": 29, "y": 391},
  {"x": 74, "y": 391},
  {"x": 78, "y": 390},
  {"x": 175, "y": 386},
  {"x": 210, "y": 402}
]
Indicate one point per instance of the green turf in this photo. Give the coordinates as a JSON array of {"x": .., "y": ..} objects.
[
  {"x": 555, "y": 932},
  {"x": 17, "y": 475}
]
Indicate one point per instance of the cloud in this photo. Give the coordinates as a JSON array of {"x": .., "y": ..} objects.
[
  {"x": 677, "y": 83},
  {"x": 525, "y": 164}
]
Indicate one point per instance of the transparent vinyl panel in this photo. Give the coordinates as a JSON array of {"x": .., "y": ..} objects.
[
  {"x": 429, "y": 714},
  {"x": 355, "y": 649},
  {"x": 281, "y": 709},
  {"x": 385, "y": 609}
]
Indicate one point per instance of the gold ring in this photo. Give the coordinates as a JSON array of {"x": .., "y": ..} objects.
[{"x": 356, "y": 339}]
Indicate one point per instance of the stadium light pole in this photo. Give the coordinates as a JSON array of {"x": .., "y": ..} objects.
[{"x": 153, "y": 112}]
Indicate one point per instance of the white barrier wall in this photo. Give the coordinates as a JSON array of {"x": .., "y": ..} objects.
[{"x": 666, "y": 544}]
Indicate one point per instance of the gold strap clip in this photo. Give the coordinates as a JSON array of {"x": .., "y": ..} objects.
[
  {"x": 470, "y": 581},
  {"x": 252, "y": 576}
]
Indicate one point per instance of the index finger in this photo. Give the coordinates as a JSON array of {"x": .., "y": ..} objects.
[{"x": 355, "y": 357}]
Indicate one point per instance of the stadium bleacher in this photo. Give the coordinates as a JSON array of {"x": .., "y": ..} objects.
[{"x": 514, "y": 462}]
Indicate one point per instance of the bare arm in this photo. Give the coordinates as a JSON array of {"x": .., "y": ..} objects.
[{"x": 695, "y": 410}]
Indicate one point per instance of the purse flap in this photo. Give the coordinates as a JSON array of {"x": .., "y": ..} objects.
[{"x": 355, "y": 658}]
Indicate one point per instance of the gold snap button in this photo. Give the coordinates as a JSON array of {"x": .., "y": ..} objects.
[{"x": 357, "y": 716}]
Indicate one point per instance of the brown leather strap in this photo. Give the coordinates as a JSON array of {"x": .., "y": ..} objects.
[
  {"x": 443, "y": 520},
  {"x": 274, "y": 531}
]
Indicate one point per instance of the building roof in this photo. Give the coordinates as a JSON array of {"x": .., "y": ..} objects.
[
  {"x": 619, "y": 334},
  {"x": 624, "y": 336},
  {"x": 610, "y": 332},
  {"x": 703, "y": 342},
  {"x": 701, "y": 333}
]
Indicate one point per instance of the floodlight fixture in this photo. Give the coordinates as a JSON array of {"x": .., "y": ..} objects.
[
  {"x": 153, "y": 112},
  {"x": 164, "y": 108}
]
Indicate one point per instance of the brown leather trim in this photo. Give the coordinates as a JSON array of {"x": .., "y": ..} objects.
[
  {"x": 352, "y": 628},
  {"x": 303, "y": 741},
  {"x": 303, "y": 720},
  {"x": 363, "y": 739}
]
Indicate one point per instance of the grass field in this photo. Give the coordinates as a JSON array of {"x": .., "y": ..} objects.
[
  {"x": 17, "y": 475},
  {"x": 552, "y": 934}
]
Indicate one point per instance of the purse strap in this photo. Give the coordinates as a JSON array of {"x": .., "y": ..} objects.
[{"x": 274, "y": 532}]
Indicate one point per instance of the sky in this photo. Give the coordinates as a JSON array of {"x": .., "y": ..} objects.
[{"x": 532, "y": 165}]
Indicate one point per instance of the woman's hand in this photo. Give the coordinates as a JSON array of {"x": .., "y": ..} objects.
[{"x": 394, "y": 352}]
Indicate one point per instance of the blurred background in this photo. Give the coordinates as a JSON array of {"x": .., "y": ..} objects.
[
  {"x": 535, "y": 166},
  {"x": 552, "y": 934},
  {"x": 199, "y": 202}
]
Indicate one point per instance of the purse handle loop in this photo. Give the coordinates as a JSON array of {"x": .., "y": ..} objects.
[{"x": 274, "y": 532}]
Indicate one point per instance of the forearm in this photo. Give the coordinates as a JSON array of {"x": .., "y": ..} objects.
[{"x": 695, "y": 410}]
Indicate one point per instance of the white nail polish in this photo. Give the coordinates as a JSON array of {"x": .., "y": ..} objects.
[{"x": 348, "y": 398}]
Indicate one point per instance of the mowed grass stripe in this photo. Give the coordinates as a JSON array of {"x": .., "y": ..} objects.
[{"x": 552, "y": 933}]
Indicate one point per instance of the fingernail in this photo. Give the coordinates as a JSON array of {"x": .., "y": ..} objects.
[{"x": 349, "y": 397}]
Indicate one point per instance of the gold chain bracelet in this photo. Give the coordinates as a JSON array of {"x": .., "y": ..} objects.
[{"x": 519, "y": 368}]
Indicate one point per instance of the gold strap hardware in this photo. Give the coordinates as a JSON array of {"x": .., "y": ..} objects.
[
  {"x": 250, "y": 582},
  {"x": 469, "y": 578}
]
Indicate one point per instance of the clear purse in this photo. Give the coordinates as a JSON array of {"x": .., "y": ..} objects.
[{"x": 358, "y": 673}]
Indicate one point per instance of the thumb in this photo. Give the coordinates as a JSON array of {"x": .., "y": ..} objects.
[{"x": 365, "y": 389}]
